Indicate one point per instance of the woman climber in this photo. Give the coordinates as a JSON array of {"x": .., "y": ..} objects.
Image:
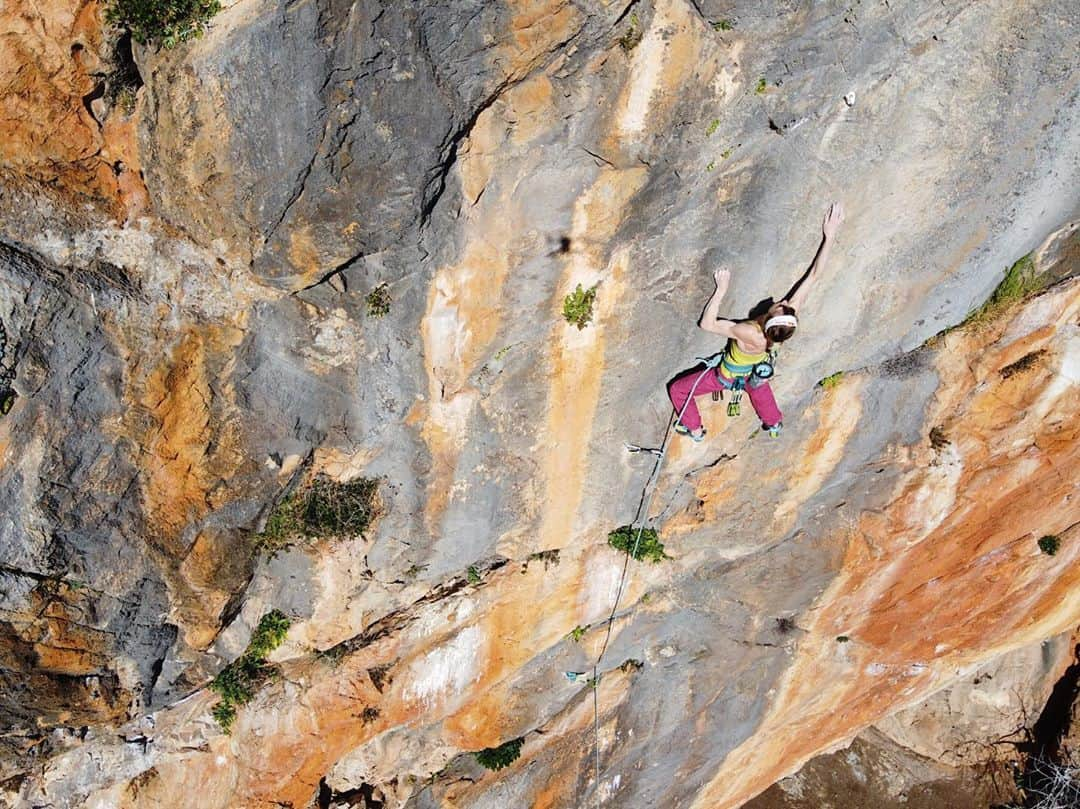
[{"x": 746, "y": 361}]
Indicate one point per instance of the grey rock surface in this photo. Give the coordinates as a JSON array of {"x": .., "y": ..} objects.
[{"x": 178, "y": 375}]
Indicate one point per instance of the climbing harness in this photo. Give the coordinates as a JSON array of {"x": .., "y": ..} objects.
[{"x": 642, "y": 517}]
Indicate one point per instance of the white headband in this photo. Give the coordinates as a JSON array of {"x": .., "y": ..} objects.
[{"x": 781, "y": 320}]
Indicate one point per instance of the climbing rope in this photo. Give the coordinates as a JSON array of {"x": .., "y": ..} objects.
[{"x": 640, "y": 519}]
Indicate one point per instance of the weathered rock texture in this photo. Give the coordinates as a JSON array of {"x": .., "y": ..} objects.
[{"x": 184, "y": 354}]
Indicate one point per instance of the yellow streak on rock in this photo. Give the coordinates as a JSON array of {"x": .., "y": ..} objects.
[
  {"x": 577, "y": 356},
  {"x": 667, "y": 55},
  {"x": 463, "y": 314},
  {"x": 184, "y": 449},
  {"x": 839, "y": 410}
]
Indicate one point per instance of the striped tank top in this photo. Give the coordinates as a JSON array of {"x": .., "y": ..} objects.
[{"x": 737, "y": 363}]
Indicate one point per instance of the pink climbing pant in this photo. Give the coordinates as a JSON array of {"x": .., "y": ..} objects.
[{"x": 761, "y": 397}]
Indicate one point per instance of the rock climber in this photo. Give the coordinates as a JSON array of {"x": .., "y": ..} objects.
[{"x": 746, "y": 362}]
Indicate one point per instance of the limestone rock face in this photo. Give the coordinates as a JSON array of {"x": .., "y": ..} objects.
[{"x": 185, "y": 293}]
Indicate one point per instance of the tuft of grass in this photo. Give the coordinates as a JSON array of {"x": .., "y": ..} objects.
[
  {"x": 1021, "y": 280},
  {"x": 1050, "y": 544},
  {"x": 577, "y": 633},
  {"x": 378, "y": 300},
  {"x": 649, "y": 547},
  {"x": 238, "y": 681},
  {"x": 713, "y": 126},
  {"x": 711, "y": 166},
  {"x": 473, "y": 575},
  {"x": 723, "y": 25},
  {"x": 548, "y": 557},
  {"x": 125, "y": 100},
  {"x": 320, "y": 509},
  {"x": 578, "y": 306},
  {"x": 762, "y": 86},
  {"x": 162, "y": 22},
  {"x": 633, "y": 36},
  {"x": 495, "y": 758},
  {"x": 724, "y": 155},
  {"x": 831, "y": 381},
  {"x": 632, "y": 664}
]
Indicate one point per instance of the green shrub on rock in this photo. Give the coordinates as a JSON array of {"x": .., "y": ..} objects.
[
  {"x": 238, "y": 681},
  {"x": 649, "y": 547},
  {"x": 578, "y": 306},
  {"x": 163, "y": 22},
  {"x": 495, "y": 758},
  {"x": 1050, "y": 544}
]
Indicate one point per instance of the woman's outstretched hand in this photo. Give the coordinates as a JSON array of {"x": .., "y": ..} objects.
[
  {"x": 722, "y": 277},
  {"x": 833, "y": 217}
]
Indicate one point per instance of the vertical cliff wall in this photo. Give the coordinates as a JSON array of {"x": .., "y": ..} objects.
[{"x": 189, "y": 324}]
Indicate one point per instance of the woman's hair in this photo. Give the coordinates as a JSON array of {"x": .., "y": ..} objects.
[{"x": 777, "y": 334}]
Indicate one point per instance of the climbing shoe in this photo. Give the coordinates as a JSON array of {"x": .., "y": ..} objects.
[
  {"x": 696, "y": 438},
  {"x": 773, "y": 431}
]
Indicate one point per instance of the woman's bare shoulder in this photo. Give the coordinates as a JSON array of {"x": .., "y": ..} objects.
[{"x": 749, "y": 336}]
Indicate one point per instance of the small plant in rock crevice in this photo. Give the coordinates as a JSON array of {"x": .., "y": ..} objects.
[
  {"x": 496, "y": 758},
  {"x": 577, "y": 633},
  {"x": 938, "y": 438},
  {"x": 649, "y": 547},
  {"x": 1050, "y": 544},
  {"x": 831, "y": 381},
  {"x": 785, "y": 625},
  {"x": 713, "y": 126},
  {"x": 378, "y": 301},
  {"x": 761, "y": 86},
  {"x": 238, "y": 681},
  {"x": 633, "y": 36},
  {"x": 578, "y": 306},
  {"x": 723, "y": 25}
]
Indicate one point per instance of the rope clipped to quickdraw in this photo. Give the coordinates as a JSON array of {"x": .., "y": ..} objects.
[{"x": 640, "y": 519}]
